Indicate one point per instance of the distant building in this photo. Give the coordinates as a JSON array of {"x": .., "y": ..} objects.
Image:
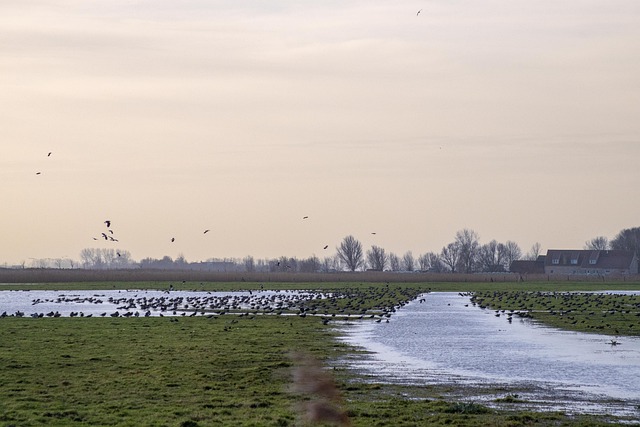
[
  {"x": 590, "y": 262},
  {"x": 522, "y": 266}
]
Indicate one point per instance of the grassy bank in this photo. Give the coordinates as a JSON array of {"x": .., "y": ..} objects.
[
  {"x": 585, "y": 312},
  {"x": 219, "y": 371}
]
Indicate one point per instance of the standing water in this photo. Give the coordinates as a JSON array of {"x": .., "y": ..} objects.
[{"x": 446, "y": 340}]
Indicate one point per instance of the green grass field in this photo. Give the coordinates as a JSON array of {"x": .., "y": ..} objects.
[{"x": 225, "y": 370}]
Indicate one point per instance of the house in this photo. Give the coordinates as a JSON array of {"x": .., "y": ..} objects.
[
  {"x": 590, "y": 262},
  {"x": 523, "y": 266}
]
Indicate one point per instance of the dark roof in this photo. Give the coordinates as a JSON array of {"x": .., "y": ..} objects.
[
  {"x": 589, "y": 258},
  {"x": 527, "y": 266}
]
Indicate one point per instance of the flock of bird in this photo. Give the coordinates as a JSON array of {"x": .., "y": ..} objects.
[
  {"x": 346, "y": 304},
  {"x": 108, "y": 235}
]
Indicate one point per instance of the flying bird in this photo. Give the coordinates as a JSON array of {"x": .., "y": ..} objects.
[
  {"x": 38, "y": 173},
  {"x": 206, "y": 231},
  {"x": 108, "y": 223},
  {"x": 112, "y": 239},
  {"x": 373, "y": 233},
  {"x": 173, "y": 239},
  {"x": 118, "y": 253},
  {"x": 49, "y": 155},
  {"x": 105, "y": 236},
  {"x": 305, "y": 217},
  {"x": 419, "y": 12},
  {"x": 326, "y": 246}
]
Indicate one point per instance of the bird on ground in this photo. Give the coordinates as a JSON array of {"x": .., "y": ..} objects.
[
  {"x": 108, "y": 223},
  {"x": 118, "y": 253}
]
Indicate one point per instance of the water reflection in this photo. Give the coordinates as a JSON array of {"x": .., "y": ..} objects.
[{"x": 447, "y": 340}]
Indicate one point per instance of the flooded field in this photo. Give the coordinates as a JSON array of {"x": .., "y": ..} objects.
[
  {"x": 443, "y": 339},
  {"x": 138, "y": 302},
  {"x": 440, "y": 338}
]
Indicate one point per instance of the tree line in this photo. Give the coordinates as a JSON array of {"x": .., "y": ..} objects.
[{"x": 465, "y": 254}]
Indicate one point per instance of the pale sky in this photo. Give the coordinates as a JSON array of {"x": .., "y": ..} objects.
[{"x": 517, "y": 119}]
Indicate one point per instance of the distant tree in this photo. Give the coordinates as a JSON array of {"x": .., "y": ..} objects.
[
  {"x": 310, "y": 265},
  {"x": 262, "y": 265},
  {"x": 123, "y": 259},
  {"x": 512, "y": 252},
  {"x": 534, "y": 252},
  {"x": 600, "y": 243},
  {"x": 450, "y": 256},
  {"x": 249, "y": 264},
  {"x": 181, "y": 262},
  {"x": 435, "y": 263},
  {"x": 490, "y": 257},
  {"x": 423, "y": 262},
  {"x": 327, "y": 264},
  {"x": 377, "y": 258},
  {"x": 430, "y": 262},
  {"x": 468, "y": 243},
  {"x": 40, "y": 263},
  {"x": 337, "y": 263},
  {"x": 351, "y": 253},
  {"x": 408, "y": 261},
  {"x": 87, "y": 257},
  {"x": 627, "y": 240},
  {"x": 394, "y": 262}
]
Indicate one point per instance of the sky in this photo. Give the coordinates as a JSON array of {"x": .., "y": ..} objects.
[{"x": 517, "y": 119}]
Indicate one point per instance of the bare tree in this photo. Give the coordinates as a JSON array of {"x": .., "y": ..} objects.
[
  {"x": 408, "y": 261},
  {"x": 123, "y": 259},
  {"x": 310, "y": 265},
  {"x": 468, "y": 242},
  {"x": 350, "y": 252},
  {"x": 512, "y": 252},
  {"x": 600, "y": 243},
  {"x": 534, "y": 252},
  {"x": 377, "y": 258},
  {"x": 491, "y": 257},
  {"x": 423, "y": 262},
  {"x": 435, "y": 263},
  {"x": 91, "y": 258},
  {"x": 627, "y": 240},
  {"x": 327, "y": 264},
  {"x": 450, "y": 255},
  {"x": 249, "y": 264},
  {"x": 394, "y": 262},
  {"x": 337, "y": 263}
]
